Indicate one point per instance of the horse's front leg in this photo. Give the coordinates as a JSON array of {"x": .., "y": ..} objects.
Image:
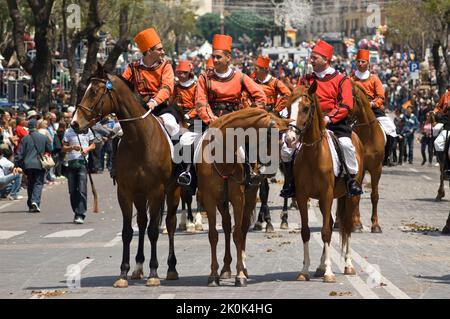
[
  {"x": 156, "y": 201},
  {"x": 325, "y": 204},
  {"x": 172, "y": 199},
  {"x": 306, "y": 235},
  {"x": 126, "y": 205},
  {"x": 141, "y": 205}
]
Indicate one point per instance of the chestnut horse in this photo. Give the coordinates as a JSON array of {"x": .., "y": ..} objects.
[
  {"x": 314, "y": 178},
  {"x": 221, "y": 183},
  {"x": 369, "y": 131},
  {"x": 144, "y": 170}
]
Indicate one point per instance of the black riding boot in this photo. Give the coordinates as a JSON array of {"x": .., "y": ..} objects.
[
  {"x": 446, "y": 162},
  {"x": 250, "y": 177},
  {"x": 388, "y": 150},
  {"x": 288, "y": 190},
  {"x": 353, "y": 187}
]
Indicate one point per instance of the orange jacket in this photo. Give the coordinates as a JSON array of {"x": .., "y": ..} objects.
[
  {"x": 151, "y": 82},
  {"x": 212, "y": 90},
  {"x": 184, "y": 97},
  {"x": 443, "y": 104},
  {"x": 276, "y": 93},
  {"x": 373, "y": 89}
]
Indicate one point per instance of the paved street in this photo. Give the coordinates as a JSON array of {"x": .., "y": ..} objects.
[{"x": 37, "y": 249}]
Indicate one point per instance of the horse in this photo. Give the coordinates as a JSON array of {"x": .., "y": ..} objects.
[
  {"x": 371, "y": 134},
  {"x": 221, "y": 183},
  {"x": 144, "y": 170},
  {"x": 314, "y": 178}
]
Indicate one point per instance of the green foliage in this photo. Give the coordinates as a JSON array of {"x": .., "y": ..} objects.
[{"x": 208, "y": 25}]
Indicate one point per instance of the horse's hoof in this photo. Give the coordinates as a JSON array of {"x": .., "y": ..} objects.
[
  {"x": 121, "y": 283},
  {"x": 438, "y": 198},
  {"x": 349, "y": 271},
  {"x": 241, "y": 282},
  {"x": 225, "y": 274},
  {"x": 303, "y": 277},
  {"x": 258, "y": 226},
  {"x": 284, "y": 225},
  {"x": 153, "y": 282},
  {"x": 269, "y": 228},
  {"x": 329, "y": 278},
  {"x": 376, "y": 229},
  {"x": 319, "y": 273},
  {"x": 213, "y": 281},
  {"x": 137, "y": 274},
  {"x": 446, "y": 230},
  {"x": 172, "y": 275},
  {"x": 357, "y": 228}
]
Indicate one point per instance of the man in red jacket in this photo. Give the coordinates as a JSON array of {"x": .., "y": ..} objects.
[{"x": 335, "y": 95}]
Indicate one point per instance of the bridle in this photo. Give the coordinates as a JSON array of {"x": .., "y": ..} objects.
[
  {"x": 301, "y": 131},
  {"x": 108, "y": 89}
]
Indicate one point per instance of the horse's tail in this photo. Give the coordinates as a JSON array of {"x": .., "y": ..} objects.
[{"x": 344, "y": 218}]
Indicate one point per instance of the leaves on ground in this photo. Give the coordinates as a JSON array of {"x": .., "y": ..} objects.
[
  {"x": 48, "y": 293},
  {"x": 340, "y": 294}
]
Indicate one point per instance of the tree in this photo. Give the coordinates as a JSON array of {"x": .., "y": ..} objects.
[
  {"x": 426, "y": 23},
  {"x": 208, "y": 24},
  {"x": 44, "y": 27}
]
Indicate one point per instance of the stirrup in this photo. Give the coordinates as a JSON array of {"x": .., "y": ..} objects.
[
  {"x": 184, "y": 179},
  {"x": 356, "y": 190}
]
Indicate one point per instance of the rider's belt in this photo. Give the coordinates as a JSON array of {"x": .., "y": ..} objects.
[{"x": 224, "y": 106}]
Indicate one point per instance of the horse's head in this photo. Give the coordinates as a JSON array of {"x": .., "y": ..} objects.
[
  {"x": 303, "y": 103},
  {"x": 97, "y": 101}
]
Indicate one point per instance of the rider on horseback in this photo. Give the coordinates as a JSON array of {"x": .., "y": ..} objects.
[
  {"x": 219, "y": 91},
  {"x": 334, "y": 92},
  {"x": 373, "y": 88}
]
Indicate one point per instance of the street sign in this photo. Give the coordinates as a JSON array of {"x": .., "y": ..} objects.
[{"x": 414, "y": 66}]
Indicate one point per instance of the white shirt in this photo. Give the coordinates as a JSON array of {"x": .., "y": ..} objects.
[
  {"x": 362, "y": 75},
  {"x": 7, "y": 166},
  {"x": 327, "y": 71},
  {"x": 224, "y": 75},
  {"x": 70, "y": 137}
]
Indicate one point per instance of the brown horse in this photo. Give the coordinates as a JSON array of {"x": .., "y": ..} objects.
[
  {"x": 314, "y": 178},
  {"x": 144, "y": 170},
  {"x": 221, "y": 183},
  {"x": 371, "y": 135}
]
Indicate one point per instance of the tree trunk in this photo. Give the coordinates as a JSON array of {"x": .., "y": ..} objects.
[
  {"x": 122, "y": 44},
  {"x": 89, "y": 66},
  {"x": 440, "y": 74}
]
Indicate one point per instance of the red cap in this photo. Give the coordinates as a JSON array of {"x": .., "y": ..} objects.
[
  {"x": 363, "y": 55},
  {"x": 262, "y": 62},
  {"x": 222, "y": 42},
  {"x": 325, "y": 49},
  {"x": 147, "y": 39},
  {"x": 184, "y": 66}
]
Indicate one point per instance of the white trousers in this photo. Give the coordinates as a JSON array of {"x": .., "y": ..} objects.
[
  {"x": 439, "y": 142},
  {"x": 349, "y": 154},
  {"x": 348, "y": 150},
  {"x": 170, "y": 123}
]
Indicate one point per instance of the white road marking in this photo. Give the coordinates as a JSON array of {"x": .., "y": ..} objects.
[
  {"x": 6, "y": 234},
  {"x": 118, "y": 237},
  {"x": 413, "y": 170},
  {"x": 69, "y": 233},
  {"x": 389, "y": 286},
  {"x": 426, "y": 177},
  {"x": 166, "y": 296},
  {"x": 356, "y": 281},
  {"x": 5, "y": 205}
]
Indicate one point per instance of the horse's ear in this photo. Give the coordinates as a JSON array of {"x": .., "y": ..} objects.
[
  {"x": 313, "y": 88},
  {"x": 100, "y": 71}
]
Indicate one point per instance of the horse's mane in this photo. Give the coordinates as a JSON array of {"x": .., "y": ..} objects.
[
  {"x": 360, "y": 98},
  {"x": 130, "y": 86},
  {"x": 300, "y": 90}
]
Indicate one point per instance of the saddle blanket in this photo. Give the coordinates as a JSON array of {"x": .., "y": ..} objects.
[
  {"x": 166, "y": 134},
  {"x": 388, "y": 126}
]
